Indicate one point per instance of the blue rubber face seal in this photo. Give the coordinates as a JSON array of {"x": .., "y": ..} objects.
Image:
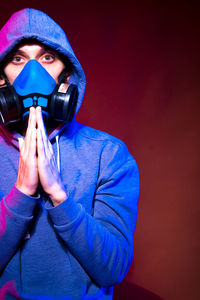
[{"x": 34, "y": 79}]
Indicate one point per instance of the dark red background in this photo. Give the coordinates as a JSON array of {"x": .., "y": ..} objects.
[{"x": 141, "y": 60}]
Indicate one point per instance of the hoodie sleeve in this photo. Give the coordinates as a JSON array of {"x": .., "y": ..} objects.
[
  {"x": 103, "y": 242},
  {"x": 16, "y": 211}
]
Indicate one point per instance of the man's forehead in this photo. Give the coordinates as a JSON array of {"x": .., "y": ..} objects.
[{"x": 32, "y": 45}]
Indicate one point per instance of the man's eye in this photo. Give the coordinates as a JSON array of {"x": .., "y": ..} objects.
[
  {"x": 48, "y": 58},
  {"x": 17, "y": 59}
]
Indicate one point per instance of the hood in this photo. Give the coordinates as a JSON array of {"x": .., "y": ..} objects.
[{"x": 30, "y": 23}]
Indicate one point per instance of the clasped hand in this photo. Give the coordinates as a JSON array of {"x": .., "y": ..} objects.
[{"x": 37, "y": 161}]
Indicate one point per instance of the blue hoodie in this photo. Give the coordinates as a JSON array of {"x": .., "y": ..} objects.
[{"x": 81, "y": 248}]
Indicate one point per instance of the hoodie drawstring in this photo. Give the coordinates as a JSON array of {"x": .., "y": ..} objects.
[{"x": 58, "y": 152}]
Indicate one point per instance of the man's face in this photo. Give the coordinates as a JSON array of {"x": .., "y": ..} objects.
[{"x": 47, "y": 58}]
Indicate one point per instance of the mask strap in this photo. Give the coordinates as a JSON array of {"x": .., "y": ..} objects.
[
  {"x": 7, "y": 82},
  {"x": 62, "y": 76}
]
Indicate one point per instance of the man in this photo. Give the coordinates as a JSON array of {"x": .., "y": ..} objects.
[{"x": 69, "y": 192}]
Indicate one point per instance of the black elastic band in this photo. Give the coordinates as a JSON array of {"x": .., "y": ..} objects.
[
  {"x": 62, "y": 76},
  {"x": 7, "y": 82}
]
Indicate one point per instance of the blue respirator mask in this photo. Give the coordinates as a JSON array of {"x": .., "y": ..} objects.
[{"x": 34, "y": 86}]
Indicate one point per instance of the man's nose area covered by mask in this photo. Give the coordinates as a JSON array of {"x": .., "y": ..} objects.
[
  {"x": 33, "y": 83},
  {"x": 34, "y": 79}
]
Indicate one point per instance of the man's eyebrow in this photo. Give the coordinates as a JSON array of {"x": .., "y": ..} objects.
[
  {"x": 23, "y": 53},
  {"x": 47, "y": 50}
]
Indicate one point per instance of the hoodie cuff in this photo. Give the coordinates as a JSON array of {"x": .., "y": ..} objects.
[
  {"x": 21, "y": 203},
  {"x": 64, "y": 213}
]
